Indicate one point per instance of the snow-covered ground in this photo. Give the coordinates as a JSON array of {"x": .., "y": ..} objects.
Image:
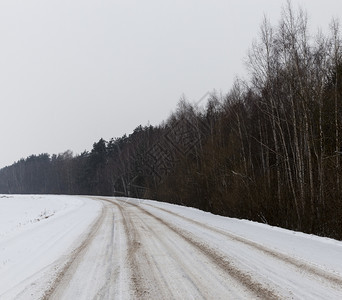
[
  {"x": 63, "y": 247},
  {"x": 36, "y": 234}
]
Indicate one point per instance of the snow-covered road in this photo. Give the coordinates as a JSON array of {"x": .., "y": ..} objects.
[{"x": 58, "y": 247}]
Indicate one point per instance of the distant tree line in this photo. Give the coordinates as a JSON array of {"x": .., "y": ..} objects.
[{"x": 269, "y": 150}]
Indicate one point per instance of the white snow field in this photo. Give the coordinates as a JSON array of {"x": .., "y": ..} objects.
[{"x": 65, "y": 247}]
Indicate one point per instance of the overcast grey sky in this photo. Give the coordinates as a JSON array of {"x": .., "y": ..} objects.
[{"x": 73, "y": 71}]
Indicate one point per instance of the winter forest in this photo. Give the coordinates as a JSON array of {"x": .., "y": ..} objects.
[{"x": 269, "y": 150}]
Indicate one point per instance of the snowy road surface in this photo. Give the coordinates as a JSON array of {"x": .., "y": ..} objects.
[{"x": 59, "y": 247}]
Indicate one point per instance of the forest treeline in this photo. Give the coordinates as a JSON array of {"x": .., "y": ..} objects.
[{"x": 269, "y": 150}]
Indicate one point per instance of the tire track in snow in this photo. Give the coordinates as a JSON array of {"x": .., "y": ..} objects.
[
  {"x": 217, "y": 258},
  {"x": 133, "y": 246},
  {"x": 193, "y": 263},
  {"x": 75, "y": 254},
  {"x": 297, "y": 263},
  {"x": 142, "y": 276},
  {"x": 100, "y": 271},
  {"x": 132, "y": 235}
]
